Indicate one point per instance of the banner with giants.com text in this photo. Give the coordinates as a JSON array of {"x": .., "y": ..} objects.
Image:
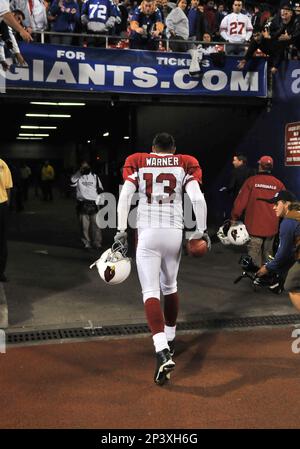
[{"x": 133, "y": 72}]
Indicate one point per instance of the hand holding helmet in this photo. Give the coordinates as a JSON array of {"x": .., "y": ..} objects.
[{"x": 121, "y": 236}]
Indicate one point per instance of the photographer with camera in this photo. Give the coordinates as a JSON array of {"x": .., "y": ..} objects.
[
  {"x": 88, "y": 188},
  {"x": 146, "y": 26},
  {"x": 289, "y": 238},
  {"x": 275, "y": 38},
  {"x": 292, "y": 282}
]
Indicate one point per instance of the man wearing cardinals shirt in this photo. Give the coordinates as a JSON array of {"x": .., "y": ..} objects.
[
  {"x": 160, "y": 178},
  {"x": 260, "y": 220}
]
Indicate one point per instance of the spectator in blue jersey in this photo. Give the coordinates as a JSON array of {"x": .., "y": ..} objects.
[
  {"x": 289, "y": 234},
  {"x": 63, "y": 16},
  {"x": 193, "y": 13},
  {"x": 99, "y": 17},
  {"x": 146, "y": 26}
]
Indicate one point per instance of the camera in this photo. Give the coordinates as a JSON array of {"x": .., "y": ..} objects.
[{"x": 272, "y": 281}]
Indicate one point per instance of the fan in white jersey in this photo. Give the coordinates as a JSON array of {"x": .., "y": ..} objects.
[
  {"x": 236, "y": 28},
  {"x": 160, "y": 178}
]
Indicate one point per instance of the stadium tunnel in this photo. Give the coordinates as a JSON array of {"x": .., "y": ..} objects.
[
  {"x": 105, "y": 129},
  {"x": 51, "y": 284}
]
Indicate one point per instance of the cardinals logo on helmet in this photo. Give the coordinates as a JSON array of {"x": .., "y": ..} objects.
[
  {"x": 109, "y": 273},
  {"x": 238, "y": 234},
  {"x": 234, "y": 234}
]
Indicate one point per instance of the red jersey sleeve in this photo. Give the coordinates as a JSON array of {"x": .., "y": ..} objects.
[
  {"x": 130, "y": 169},
  {"x": 192, "y": 169}
]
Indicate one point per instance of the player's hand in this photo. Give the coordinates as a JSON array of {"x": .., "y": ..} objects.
[
  {"x": 121, "y": 236},
  {"x": 207, "y": 239},
  {"x": 196, "y": 235},
  {"x": 25, "y": 36}
]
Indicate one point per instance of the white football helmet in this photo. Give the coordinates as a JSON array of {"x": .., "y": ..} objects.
[
  {"x": 222, "y": 233},
  {"x": 113, "y": 266},
  {"x": 238, "y": 234}
]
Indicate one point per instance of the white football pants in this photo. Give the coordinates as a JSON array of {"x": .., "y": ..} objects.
[{"x": 157, "y": 257}]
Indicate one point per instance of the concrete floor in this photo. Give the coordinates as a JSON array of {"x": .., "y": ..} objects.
[{"x": 51, "y": 284}]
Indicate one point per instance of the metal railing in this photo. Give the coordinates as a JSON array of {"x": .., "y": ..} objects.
[{"x": 115, "y": 38}]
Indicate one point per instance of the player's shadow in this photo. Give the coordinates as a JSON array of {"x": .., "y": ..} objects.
[
  {"x": 250, "y": 374},
  {"x": 203, "y": 342},
  {"x": 249, "y": 371}
]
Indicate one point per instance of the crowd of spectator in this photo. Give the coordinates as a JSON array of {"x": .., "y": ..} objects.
[{"x": 269, "y": 29}]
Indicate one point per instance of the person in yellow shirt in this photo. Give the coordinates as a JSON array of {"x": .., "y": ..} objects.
[
  {"x": 5, "y": 186},
  {"x": 47, "y": 177}
]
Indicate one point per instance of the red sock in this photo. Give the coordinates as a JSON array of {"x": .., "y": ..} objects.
[
  {"x": 154, "y": 315},
  {"x": 171, "y": 309}
]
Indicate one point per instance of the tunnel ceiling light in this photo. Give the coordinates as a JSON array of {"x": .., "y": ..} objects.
[
  {"x": 51, "y": 103},
  {"x": 34, "y": 135},
  {"x": 37, "y": 127},
  {"x": 29, "y": 138},
  {"x": 71, "y": 104},
  {"x": 106, "y": 134},
  {"x": 88, "y": 141},
  {"x": 49, "y": 115},
  {"x": 126, "y": 137}
]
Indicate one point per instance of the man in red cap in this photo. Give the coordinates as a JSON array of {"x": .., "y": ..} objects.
[{"x": 260, "y": 220}]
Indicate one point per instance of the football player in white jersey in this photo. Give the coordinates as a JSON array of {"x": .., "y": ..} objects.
[
  {"x": 160, "y": 177},
  {"x": 236, "y": 28}
]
